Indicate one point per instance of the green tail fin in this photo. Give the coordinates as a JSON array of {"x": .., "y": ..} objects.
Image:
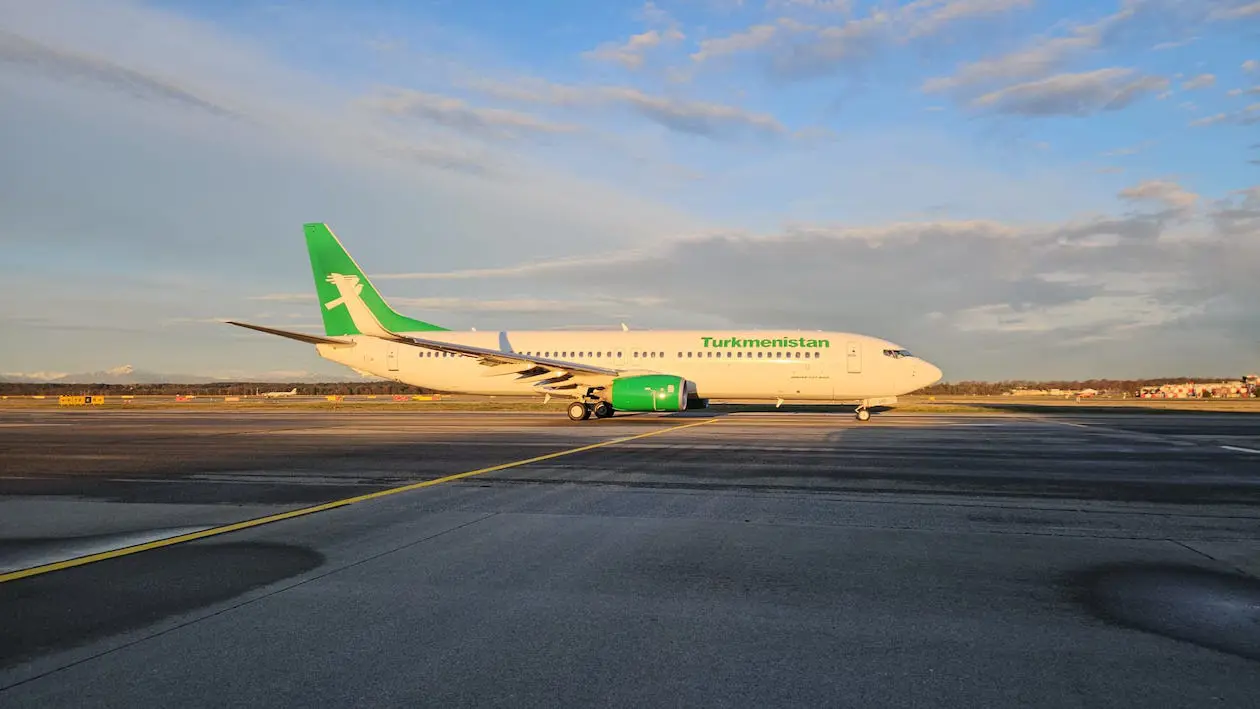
[{"x": 330, "y": 263}]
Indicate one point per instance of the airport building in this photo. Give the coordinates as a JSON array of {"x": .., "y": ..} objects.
[{"x": 1243, "y": 388}]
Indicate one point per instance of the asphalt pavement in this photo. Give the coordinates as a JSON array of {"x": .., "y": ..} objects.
[{"x": 738, "y": 559}]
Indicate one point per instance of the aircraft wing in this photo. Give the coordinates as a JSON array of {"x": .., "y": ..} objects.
[
  {"x": 499, "y": 357},
  {"x": 549, "y": 376}
]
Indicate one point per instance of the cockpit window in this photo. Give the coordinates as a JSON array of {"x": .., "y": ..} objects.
[{"x": 897, "y": 354}]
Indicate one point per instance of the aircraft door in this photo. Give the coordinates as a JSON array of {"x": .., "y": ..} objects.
[
  {"x": 853, "y": 355},
  {"x": 391, "y": 357}
]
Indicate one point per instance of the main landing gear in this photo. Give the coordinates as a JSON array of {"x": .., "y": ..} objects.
[{"x": 582, "y": 410}]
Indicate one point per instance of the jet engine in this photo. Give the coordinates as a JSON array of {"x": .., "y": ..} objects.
[{"x": 649, "y": 392}]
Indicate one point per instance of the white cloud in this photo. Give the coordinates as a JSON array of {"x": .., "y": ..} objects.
[
  {"x": 1072, "y": 94},
  {"x": 1238, "y": 11},
  {"x": 457, "y": 114},
  {"x": 947, "y": 13},
  {"x": 1166, "y": 193},
  {"x": 28, "y": 55},
  {"x": 1245, "y": 117},
  {"x": 752, "y": 38},
  {"x": 1107, "y": 316},
  {"x": 1164, "y": 46},
  {"x": 797, "y": 49},
  {"x": 653, "y": 14},
  {"x": 980, "y": 291},
  {"x": 681, "y": 115},
  {"x": 1043, "y": 56},
  {"x": 630, "y": 53},
  {"x": 1129, "y": 150},
  {"x": 823, "y": 5},
  {"x": 1251, "y": 66},
  {"x": 1202, "y": 81}
]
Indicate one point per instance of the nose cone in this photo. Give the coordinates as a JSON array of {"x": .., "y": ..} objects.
[{"x": 929, "y": 373}]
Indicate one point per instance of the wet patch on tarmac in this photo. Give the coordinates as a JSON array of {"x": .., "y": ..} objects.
[
  {"x": 74, "y": 606},
  {"x": 1210, "y": 608}
]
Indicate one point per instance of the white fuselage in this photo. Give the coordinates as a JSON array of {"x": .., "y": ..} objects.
[{"x": 730, "y": 365}]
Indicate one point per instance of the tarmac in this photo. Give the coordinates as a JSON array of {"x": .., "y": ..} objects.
[{"x": 375, "y": 558}]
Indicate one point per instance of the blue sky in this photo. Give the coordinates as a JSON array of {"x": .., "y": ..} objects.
[{"x": 1014, "y": 188}]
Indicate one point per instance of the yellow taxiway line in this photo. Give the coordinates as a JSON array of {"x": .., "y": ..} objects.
[{"x": 249, "y": 523}]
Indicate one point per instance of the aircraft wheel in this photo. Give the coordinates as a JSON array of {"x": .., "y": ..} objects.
[
  {"x": 603, "y": 410},
  {"x": 578, "y": 411},
  {"x": 863, "y": 415}
]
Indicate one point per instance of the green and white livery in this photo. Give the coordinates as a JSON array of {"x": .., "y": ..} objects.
[{"x": 602, "y": 372}]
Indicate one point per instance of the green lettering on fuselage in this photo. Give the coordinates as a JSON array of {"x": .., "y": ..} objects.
[{"x": 785, "y": 342}]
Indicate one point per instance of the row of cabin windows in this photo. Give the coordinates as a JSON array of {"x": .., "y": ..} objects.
[
  {"x": 749, "y": 355},
  {"x": 689, "y": 355}
]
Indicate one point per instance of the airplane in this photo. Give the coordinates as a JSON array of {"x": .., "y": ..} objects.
[
  {"x": 602, "y": 372},
  {"x": 277, "y": 394}
]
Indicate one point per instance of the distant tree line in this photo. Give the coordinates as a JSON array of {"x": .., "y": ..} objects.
[{"x": 215, "y": 389}]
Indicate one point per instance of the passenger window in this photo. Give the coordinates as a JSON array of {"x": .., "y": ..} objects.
[
  {"x": 797, "y": 355},
  {"x": 708, "y": 354},
  {"x": 817, "y": 355},
  {"x": 618, "y": 354},
  {"x": 690, "y": 355},
  {"x": 653, "y": 354},
  {"x": 680, "y": 355},
  {"x": 760, "y": 355}
]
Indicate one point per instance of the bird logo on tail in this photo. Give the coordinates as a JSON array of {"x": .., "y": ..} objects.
[{"x": 347, "y": 286}]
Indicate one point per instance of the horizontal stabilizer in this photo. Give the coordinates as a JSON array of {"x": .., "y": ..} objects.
[{"x": 299, "y": 336}]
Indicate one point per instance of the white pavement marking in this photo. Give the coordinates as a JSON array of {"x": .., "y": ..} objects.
[{"x": 1241, "y": 450}]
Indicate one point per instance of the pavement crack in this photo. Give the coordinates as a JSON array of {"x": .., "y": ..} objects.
[{"x": 1206, "y": 555}]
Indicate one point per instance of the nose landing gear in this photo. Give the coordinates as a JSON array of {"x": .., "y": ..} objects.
[{"x": 862, "y": 413}]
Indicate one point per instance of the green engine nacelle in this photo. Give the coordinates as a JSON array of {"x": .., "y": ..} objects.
[{"x": 649, "y": 392}]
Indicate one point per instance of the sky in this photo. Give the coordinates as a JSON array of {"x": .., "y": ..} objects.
[{"x": 1028, "y": 189}]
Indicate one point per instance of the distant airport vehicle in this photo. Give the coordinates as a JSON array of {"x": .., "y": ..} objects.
[
  {"x": 602, "y": 372},
  {"x": 278, "y": 394}
]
